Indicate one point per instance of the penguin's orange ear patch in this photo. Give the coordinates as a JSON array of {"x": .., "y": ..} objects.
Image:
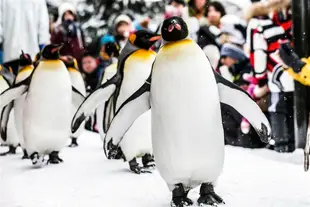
[
  {"x": 155, "y": 38},
  {"x": 132, "y": 38},
  {"x": 54, "y": 50}
]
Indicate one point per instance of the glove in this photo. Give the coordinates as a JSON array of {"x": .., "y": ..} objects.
[
  {"x": 290, "y": 58},
  {"x": 41, "y": 46}
]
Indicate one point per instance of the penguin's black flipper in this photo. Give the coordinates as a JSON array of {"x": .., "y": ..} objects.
[
  {"x": 129, "y": 111},
  {"x": 233, "y": 96},
  {"x": 77, "y": 97},
  {"x": 8, "y": 76},
  {"x": 5, "y": 114},
  {"x": 14, "y": 92},
  {"x": 99, "y": 96}
]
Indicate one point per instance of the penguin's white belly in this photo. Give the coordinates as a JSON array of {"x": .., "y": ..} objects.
[
  {"x": 138, "y": 141},
  {"x": 47, "y": 112},
  {"x": 187, "y": 132},
  {"x": 78, "y": 83},
  {"x": 19, "y": 104},
  {"x": 12, "y": 135},
  {"x": 18, "y": 112},
  {"x": 137, "y": 69}
]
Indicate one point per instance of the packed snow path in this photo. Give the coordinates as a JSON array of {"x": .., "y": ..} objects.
[{"x": 258, "y": 178}]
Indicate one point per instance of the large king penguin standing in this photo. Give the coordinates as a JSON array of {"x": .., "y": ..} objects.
[
  {"x": 77, "y": 83},
  {"x": 187, "y": 132},
  {"x": 47, "y": 109},
  {"x": 134, "y": 67},
  {"x": 47, "y": 106},
  {"x": 25, "y": 70}
]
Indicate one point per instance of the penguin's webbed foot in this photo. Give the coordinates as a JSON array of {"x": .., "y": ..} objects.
[
  {"x": 36, "y": 159},
  {"x": 73, "y": 142},
  {"x": 134, "y": 167},
  {"x": 54, "y": 158},
  {"x": 208, "y": 196},
  {"x": 148, "y": 161},
  {"x": 179, "y": 197},
  {"x": 25, "y": 154},
  {"x": 182, "y": 202},
  {"x": 12, "y": 150}
]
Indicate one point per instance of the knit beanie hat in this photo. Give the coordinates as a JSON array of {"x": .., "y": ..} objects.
[{"x": 230, "y": 50}]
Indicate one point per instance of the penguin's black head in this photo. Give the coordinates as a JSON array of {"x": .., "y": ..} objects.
[
  {"x": 112, "y": 49},
  {"x": 174, "y": 29},
  {"x": 69, "y": 61},
  {"x": 24, "y": 59},
  {"x": 143, "y": 39},
  {"x": 51, "y": 52}
]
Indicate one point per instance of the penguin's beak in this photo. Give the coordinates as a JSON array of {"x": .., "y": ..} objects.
[
  {"x": 57, "y": 48},
  {"x": 23, "y": 54},
  {"x": 173, "y": 26},
  {"x": 155, "y": 38}
]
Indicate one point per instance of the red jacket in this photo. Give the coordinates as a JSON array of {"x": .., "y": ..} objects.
[{"x": 73, "y": 46}]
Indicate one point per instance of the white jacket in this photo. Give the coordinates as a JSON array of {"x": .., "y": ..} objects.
[{"x": 24, "y": 25}]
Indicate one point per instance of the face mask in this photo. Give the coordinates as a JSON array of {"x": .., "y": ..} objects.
[{"x": 126, "y": 34}]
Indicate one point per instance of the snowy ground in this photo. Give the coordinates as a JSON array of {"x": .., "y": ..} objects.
[{"x": 258, "y": 178}]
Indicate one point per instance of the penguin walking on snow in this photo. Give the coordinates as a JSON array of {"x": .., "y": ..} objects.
[
  {"x": 185, "y": 95},
  {"x": 47, "y": 106},
  {"x": 78, "y": 83},
  {"x": 25, "y": 70},
  {"x": 134, "y": 66},
  {"x": 8, "y": 134}
]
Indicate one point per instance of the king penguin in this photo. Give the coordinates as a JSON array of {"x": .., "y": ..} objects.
[
  {"x": 112, "y": 51},
  {"x": 78, "y": 83},
  {"x": 185, "y": 95},
  {"x": 47, "y": 107},
  {"x": 133, "y": 68},
  {"x": 25, "y": 70},
  {"x": 8, "y": 133}
]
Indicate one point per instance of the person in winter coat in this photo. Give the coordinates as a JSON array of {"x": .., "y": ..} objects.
[
  {"x": 264, "y": 45},
  {"x": 122, "y": 26},
  {"x": 68, "y": 31},
  {"x": 24, "y": 25},
  {"x": 105, "y": 58},
  {"x": 91, "y": 71},
  {"x": 240, "y": 70},
  {"x": 197, "y": 8},
  {"x": 208, "y": 34},
  {"x": 214, "y": 12}
]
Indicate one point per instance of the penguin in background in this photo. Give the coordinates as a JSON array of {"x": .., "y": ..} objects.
[
  {"x": 112, "y": 50},
  {"x": 8, "y": 134},
  {"x": 47, "y": 107},
  {"x": 26, "y": 68},
  {"x": 78, "y": 83},
  {"x": 133, "y": 68},
  {"x": 185, "y": 94}
]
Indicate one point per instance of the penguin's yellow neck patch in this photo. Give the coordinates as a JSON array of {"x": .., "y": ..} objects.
[
  {"x": 142, "y": 54},
  {"x": 73, "y": 69},
  {"x": 177, "y": 43},
  {"x": 139, "y": 57},
  {"x": 51, "y": 65},
  {"x": 26, "y": 68}
]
